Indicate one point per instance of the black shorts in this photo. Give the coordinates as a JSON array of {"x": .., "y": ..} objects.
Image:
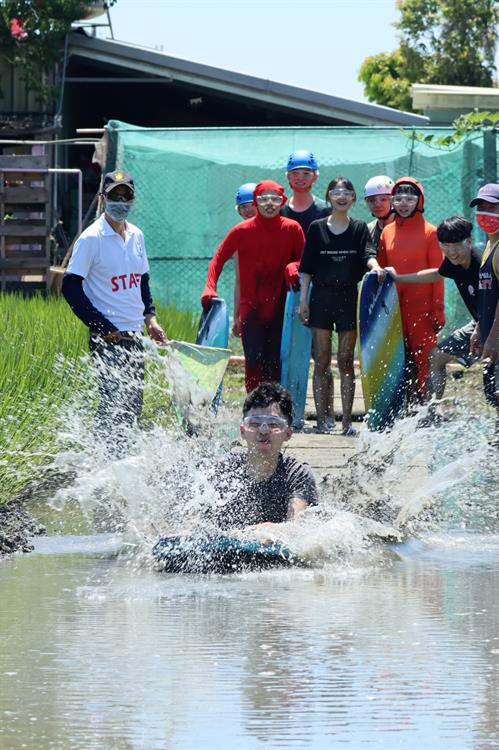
[
  {"x": 458, "y": 344},
  {"x": 333, "y": 307}
]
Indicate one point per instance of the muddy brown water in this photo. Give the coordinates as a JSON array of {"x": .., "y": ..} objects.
[
  {"x": 396, "y": 649},
  {"x": 378, "y": 644}
]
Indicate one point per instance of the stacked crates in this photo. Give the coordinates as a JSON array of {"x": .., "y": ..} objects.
[{"x": 24, "y": 219}]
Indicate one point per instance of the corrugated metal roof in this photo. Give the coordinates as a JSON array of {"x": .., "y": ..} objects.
[{"x": 247, "y": 87}]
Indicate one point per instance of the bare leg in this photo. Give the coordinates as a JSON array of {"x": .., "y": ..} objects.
[
  {"x": 346, "y": 348},
  {"x": 330, "y": 399},
  {"x": 323, "y": 377},
  {"x": 437, "y": 376}
]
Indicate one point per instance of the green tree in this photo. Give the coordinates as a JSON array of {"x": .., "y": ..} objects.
[
  {"x": 441, "y": 41},
  {"x": 32, "y": 34},
  {"x": 387, "y": 80}
]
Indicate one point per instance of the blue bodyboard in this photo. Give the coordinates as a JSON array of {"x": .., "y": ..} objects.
[
  {"x": 214, "y": 325},
  {"x": 214, "y": 331},
  {"x": 218, "y": 554},
  {"x": 382, "y": 351},
  {"x": 296, "y": 347}
]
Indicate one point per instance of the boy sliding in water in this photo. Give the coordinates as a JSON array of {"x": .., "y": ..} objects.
[
  {"x": 262, "y": 486},
  {"x": 259, "y": 486}
]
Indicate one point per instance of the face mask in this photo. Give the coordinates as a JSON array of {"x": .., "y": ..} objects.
[
  {"x": 487, "y": 221},
  {"x": 116, "y": 210}
]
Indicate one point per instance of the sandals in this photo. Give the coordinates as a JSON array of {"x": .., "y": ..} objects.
[
  {"x": 350, "y": 431},
  {"x": 326, "y": 429}
]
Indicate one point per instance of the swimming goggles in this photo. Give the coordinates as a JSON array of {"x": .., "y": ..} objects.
[
  {"x": 405, "y": 197},
  {"x": 275, "y": 199},
  {"x": 273, "y": 424},
  {"x": 341, "y": 193}
]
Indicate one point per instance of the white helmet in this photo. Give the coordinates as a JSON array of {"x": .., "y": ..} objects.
[{"x": 379, "y": 185}]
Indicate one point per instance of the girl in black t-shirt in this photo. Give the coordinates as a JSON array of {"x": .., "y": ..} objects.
[{"x": 337, "y": 253}]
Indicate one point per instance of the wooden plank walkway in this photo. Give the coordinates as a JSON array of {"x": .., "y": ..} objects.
[
  {"x": 358, "y": 410},
  {"x": 328, "y": 454}
]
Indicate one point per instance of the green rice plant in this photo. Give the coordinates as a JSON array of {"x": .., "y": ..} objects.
[
  {"x": 181, "y": 325},
  {"x": 42, "y": 364}
]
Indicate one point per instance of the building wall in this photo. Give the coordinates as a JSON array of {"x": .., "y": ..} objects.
[{"x": 14, "y": 98}]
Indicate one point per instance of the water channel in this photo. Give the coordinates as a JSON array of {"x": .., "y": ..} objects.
[{"x": 379, "y": 643}]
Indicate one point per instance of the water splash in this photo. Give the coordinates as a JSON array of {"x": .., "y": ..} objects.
[{"x": 401, "y": 483}]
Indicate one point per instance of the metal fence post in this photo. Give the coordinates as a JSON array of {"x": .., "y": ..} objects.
[{"x": 489, "y": 156}]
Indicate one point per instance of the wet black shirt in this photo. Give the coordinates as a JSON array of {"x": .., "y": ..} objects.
[
  {"x": 245, "y": 501},
  {"x": 466, "y": 280},
  {"x": 318, "y": 210},
  {"x": 337, "y": 259}
]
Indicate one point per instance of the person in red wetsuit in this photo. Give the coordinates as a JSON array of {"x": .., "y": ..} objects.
[
  {"x": 264, "y": 245},
  {"x": 410, "y": 244}
]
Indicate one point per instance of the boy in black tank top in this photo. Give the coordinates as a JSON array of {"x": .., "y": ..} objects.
[{"x": 486, "y": 337}]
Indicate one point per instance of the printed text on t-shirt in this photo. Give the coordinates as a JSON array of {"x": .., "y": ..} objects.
[{"x": 125, "y": 281}]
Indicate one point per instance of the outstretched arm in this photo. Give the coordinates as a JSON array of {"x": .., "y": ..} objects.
[
  {"x": 236, "y": 327},
  {"x": 435, "y": 258},
  {"x": 296, "y": 506},
  {"x": 225, "y": 251},
  {"x": 426, "y": 276}
]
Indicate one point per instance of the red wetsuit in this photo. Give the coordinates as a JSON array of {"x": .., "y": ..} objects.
[
  {"x": 411, "y": 245},
  {"x": 264, "y": 248}
]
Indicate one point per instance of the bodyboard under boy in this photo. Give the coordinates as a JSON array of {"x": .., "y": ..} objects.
[{"x": 219, "y": 554}]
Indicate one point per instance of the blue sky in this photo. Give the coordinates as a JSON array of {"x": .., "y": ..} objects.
[{"x": 315, "y": 44}]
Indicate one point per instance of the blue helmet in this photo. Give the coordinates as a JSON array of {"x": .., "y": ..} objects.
[
  {"x": 302, "y": 160},
  {"x": 245, "y": 193}
]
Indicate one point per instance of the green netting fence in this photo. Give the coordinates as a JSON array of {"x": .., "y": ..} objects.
[{"x": 186, "y": 180}]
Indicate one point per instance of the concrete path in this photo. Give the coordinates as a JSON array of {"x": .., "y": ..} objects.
[{"x": 328, "y": 455}]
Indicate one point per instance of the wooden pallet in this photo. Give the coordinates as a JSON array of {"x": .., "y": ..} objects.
[{"x": 24, "y": 221}]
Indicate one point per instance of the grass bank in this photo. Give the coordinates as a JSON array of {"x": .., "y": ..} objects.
[{"x": 41, "y": 362}]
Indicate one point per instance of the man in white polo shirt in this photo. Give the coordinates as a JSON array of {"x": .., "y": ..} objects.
[{"x": 107, "y": 287}]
